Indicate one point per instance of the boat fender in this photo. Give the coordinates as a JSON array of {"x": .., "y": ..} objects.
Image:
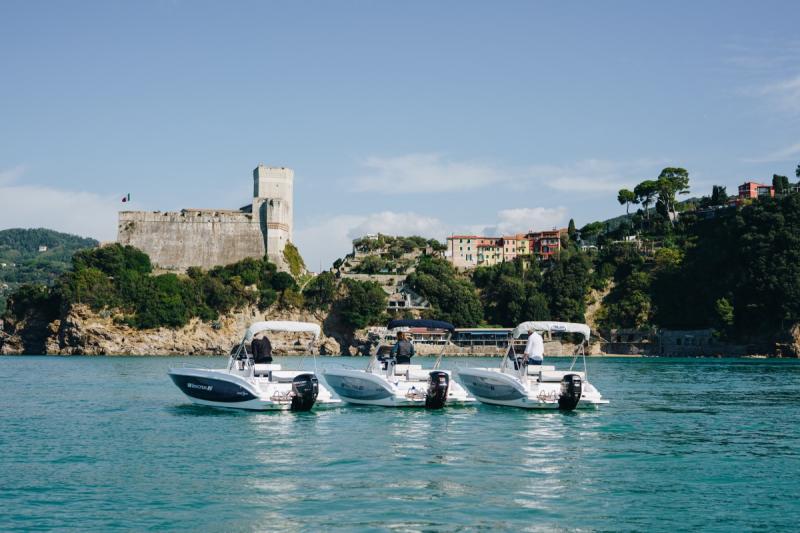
[
  {"x": 571, "y": 389},
  {"x": 305, "y": 388},
  {"x": 438, "y": 384}
]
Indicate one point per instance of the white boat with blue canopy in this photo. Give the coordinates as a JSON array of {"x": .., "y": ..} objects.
[
  {"x": 244, "y": 384},
  {"x": 393, "y": 381},
  {"x": 519, "y": 382}
]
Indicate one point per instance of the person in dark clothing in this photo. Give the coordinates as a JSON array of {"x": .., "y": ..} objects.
[
  {"x": 402, "y": 350},
  {"x": 262, "y": 350}
]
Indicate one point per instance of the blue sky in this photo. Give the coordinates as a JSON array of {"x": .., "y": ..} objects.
[{"x": 401, "y": 117}]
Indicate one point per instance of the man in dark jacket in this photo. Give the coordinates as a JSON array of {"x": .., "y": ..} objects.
[
  {"x": 262, "y": 350},
  {"x": 403, "y": 350}
]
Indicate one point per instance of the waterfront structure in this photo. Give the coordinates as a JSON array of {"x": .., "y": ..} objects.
[
  {"x": 207, "y": 238},
  {"x": 470, "y": 251}
]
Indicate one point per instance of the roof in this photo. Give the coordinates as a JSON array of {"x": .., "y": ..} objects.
[
  {"x": 420, "y": 323},
  {"x": 282, "y": 325},
  {"x": 564, "y": 327}
]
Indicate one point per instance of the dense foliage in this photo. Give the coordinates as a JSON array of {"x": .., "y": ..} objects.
[
  {"x": 119, "y": 279},
  {"x": 395, "y": 247},
  {"x": 740, "y": 274},
  {"x": 21, "y": 262},
  {"x": 512, "y": 292},
  {"x": 363, "y": 303},
  {"x": 452, "y": 297},
  {"x": 320, "y": 292},
  {"x": 293, "y": 258}
]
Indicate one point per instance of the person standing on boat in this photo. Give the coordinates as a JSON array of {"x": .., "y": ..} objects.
[
  {"x": 534, "y": 349},
  {"x": 262, "y": 350},
  {"x": 402, "y": 350}
]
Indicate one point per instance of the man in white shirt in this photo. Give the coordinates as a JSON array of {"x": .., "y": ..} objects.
[{"x": 534, "y": 349}]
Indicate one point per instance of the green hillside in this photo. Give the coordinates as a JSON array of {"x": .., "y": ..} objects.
[{"x": 22, "y": 262}]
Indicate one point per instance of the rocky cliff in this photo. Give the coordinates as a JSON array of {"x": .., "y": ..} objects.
[{"x": 84, "y": 332}]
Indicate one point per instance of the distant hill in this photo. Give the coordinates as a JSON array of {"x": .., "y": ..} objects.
[{"x": 35, "y": 256}]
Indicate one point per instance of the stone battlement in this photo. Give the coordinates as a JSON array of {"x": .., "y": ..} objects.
[
  {"x": 187, "y": 216},
  {"x": 206, "y": 238}
]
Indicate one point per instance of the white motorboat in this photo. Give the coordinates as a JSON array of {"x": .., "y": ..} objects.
[
  {"x": 261, "y": 387},
  {"x": 388, "y": 383},
  {"x": 531, "y": 386}
]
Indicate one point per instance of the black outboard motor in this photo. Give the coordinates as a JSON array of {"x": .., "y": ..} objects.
[
  {"x": 305, "y": 388},
  {"x": 438, "y": 384},
  {"x": 571, "y": 389}
]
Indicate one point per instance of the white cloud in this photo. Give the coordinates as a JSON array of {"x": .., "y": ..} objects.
[
  {"x": 595, "y": 175},
  {"x": 33, "y": 206},
  {"x": 785, "y": 94},
  {"x": 326, "y": 240},
  {"x": 788, "y": 153},
  {"x": 414, "y": 173},
  {"x": 512, "y": 221},
  {"x": 12, "y": 174},
  {"x": 426, "y": 173}
]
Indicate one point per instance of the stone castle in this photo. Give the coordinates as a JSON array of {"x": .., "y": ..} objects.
[{"x": 211, "y": 237}]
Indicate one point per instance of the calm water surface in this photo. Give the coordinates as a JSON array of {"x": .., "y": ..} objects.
[{"x": 110, "y": 444}]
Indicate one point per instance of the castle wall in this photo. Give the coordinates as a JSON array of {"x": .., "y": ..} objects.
[{"x": 204, "y": 238}]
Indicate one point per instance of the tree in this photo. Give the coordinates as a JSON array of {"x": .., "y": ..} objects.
[
  {"x": 797, "y": 171},
  {"x": 645, "y": 193},
  {"x": 671, "y": 182},
  {"x": 591, "y": 230},
  {"x": 320, "y": 291},
  {"x": 571, "y": 231},
  {"x": 363, "y": 304},
  {"x": 510, "y": 293},
  {"x": 627, "y": 197},
  {"x": 452, "y": 297},
  {"x": 719, "y": 195},
  {"x": 565, "y": 286},
  {"x": 780, "y": 184}
]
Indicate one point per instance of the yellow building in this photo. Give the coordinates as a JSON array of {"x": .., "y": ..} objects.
[{"x": 489, "y": 254}]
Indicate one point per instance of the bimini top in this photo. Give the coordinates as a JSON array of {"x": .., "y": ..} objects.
[
  {"x": 420, "y": 323},
  {"x": 282, "y": 325},
  {"x": 560, "y": 327}
]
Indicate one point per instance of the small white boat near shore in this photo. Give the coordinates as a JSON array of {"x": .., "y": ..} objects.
[
  {"x": 243, "y": 384},
  {"x": 516, "y": 383},
  {"x": 389, "y": 383}
]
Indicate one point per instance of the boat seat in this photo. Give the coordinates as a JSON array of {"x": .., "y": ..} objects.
[
  {"x": 533, "y": 370},
  {"x": 283, "y": 376},
  {"x": 417, "y": 374},
  {"x": 400, "y": 370},
  {"x": 263, "y": 370},
  {"x": 556, "y": 375}
]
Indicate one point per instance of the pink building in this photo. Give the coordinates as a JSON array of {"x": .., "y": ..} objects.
[{"x": 755, "y": 190}]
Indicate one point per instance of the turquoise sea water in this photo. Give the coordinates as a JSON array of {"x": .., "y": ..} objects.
[{"x": 686, "y": 444}]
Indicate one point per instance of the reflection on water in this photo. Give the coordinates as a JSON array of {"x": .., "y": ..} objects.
[{"x": 105, "y": 444}]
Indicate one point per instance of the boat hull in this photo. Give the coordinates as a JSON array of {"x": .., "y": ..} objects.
[
  {"x": 216, "y": 388},
  {"x": 365, "y": 388},
  {"x": 493, "y": 387}
]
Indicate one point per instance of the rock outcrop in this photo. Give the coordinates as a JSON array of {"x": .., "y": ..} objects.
[{"x": 84, "y": 332}]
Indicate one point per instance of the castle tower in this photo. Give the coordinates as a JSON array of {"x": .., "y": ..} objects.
[{"x": 273, "y": 189}]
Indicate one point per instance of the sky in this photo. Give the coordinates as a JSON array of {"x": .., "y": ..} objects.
[{"x": 430, "y": 118}]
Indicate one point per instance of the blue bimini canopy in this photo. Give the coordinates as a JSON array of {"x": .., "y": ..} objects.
[{"x": 420, "y": 323}]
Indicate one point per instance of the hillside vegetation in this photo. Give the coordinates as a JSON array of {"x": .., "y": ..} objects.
[
  {"x": 24, "y": 263},
  {"x": 119, "y": 280}
]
